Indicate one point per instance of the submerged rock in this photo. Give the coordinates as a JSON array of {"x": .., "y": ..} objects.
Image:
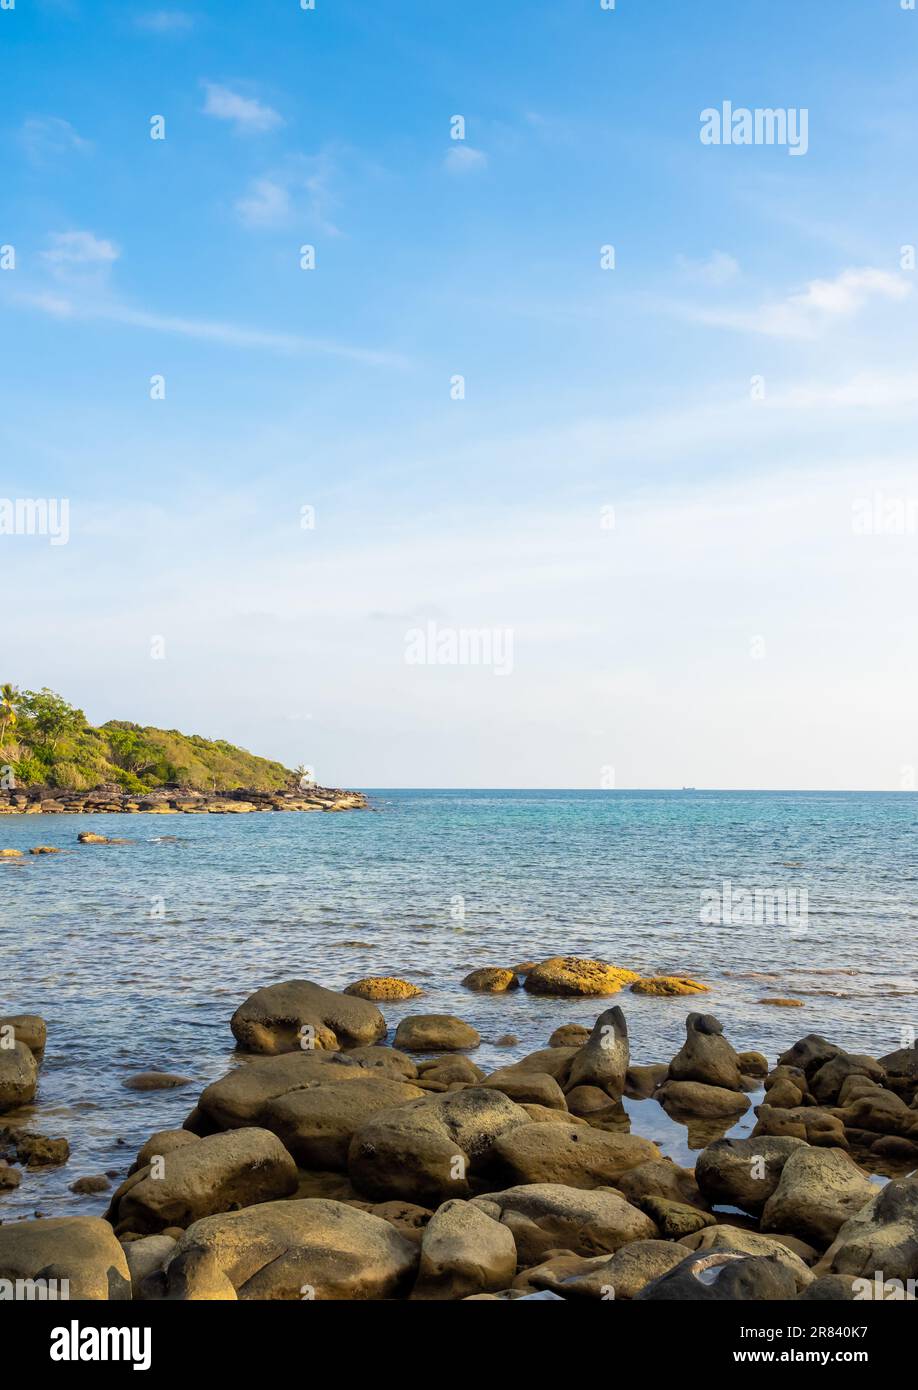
[
  {"x": 490, "y": 979},
  {"x": 668, "y": 986},
  {"x": 436, "y": 1033}
]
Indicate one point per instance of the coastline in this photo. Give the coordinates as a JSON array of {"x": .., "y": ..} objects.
[{"x": 172, "y": 800}]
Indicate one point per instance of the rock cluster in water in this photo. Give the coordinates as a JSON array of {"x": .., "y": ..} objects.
[{"x": 330, "y": 1165}]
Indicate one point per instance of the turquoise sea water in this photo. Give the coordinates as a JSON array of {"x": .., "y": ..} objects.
[{"x": 138, "y": 954}]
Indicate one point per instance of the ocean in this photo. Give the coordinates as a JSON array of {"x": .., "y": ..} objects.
[{"x": 137, "y": 954}]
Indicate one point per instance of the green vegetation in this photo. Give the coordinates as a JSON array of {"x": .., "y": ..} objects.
[{"x": 47, "y": 741}]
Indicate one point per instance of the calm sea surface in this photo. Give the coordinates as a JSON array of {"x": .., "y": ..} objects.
[{"x": 138, "y": 954}]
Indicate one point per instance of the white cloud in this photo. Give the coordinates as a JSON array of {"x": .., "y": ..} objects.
[
  {"x": 80, "y": 248},
  {"x": 301, "y": 188},
  {"x": 463, "y": 159},
  {"x": 267, "y": 204},
  {"x": 246, "y": 113},
  {"x": 165, "y": 22},
  {"x": 47, "y": 137},
  {"x": 811, "y": 311},
  {"x": 850, "y": 290}
]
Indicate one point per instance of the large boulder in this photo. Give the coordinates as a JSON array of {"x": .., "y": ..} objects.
[
  {"x": 603, "y": 1059},
  {"x": 622, "y": 1275},
  {"x": 428, "y": 1150},
  {"x": 217, "y": 1174},
  {"x": 161, "y": 1143},
  {"x": 743, "y": 1172},
  {"x": 18, "y": 1076},
  {"x": 661, "y": 1178},
  {"x": 299, "y": 1015},
  {"x": 311, "y": 1249},
  {"x": 551, "y": 1216},
  {"x": 572, "y": 1156},
  {"x": 464, "y": 1252},
  {"x": 239, "y": 1097},
  {"x": 818, "y": 1190},
  {"x": 317, "y": 1124},
  {"x": 881, "y": 1236},
  {"x": 30, "y": 1029},
  {"x": 436, "y": 1033},
  {"x": 723, "y": 1276},
  {"x": 813, "y": 1123},
  {"x": 527, "y": 1087},
  {"x": 826, "y": 1081},
  {"x": 901, "y": 1068},
  {"x": 706, "y": 1056},
  {"x": 80, "y": 1249},
  {"x": 809, "y": 1054},
  {"x": 695, "y": 1098},
  {"x": 146, "y": 1256},
  {"x": 734, "y": 1238},
  {"x": 571, "y": 975}
]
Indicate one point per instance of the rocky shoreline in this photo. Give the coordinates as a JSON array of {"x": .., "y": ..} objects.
[
  {"x": 114, "y": 800},
  {"x": 330, "y": 1164}
]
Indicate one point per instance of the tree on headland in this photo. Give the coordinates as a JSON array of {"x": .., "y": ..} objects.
[
  {"x": 50, "y": 718},
  {"x": 9, "y": 709}
]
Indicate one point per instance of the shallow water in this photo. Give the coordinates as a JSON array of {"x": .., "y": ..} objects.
[{"x": 138, "y": 954}]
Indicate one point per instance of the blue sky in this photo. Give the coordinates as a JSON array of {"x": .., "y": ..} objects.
[{"x": 733, "y": 629}]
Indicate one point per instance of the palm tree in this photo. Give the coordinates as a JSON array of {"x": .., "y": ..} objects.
[{"x": 9, "y": 699}]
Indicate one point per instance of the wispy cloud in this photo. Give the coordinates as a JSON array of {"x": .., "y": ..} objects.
[
  {"x": 267, "y": 204},
  {"x": 165, "y": 22},
  {"x": 302, "y": 187},
  {"x": 464, "y": 159},
  {"x": 247, "y": 115},
  {"x": 809, "y": 312},
  {"x": 79, "y": 248},
  {"x": 48, "y": 137},
  {"x": 206, "y": 330},
  {"x": 718, "y": 269}
]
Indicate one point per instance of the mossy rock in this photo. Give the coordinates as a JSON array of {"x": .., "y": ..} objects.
[
  {"x": 383, "y": 987},
  {"x": 572, "y": 975},
  {"x": 668, "y": 986}
]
